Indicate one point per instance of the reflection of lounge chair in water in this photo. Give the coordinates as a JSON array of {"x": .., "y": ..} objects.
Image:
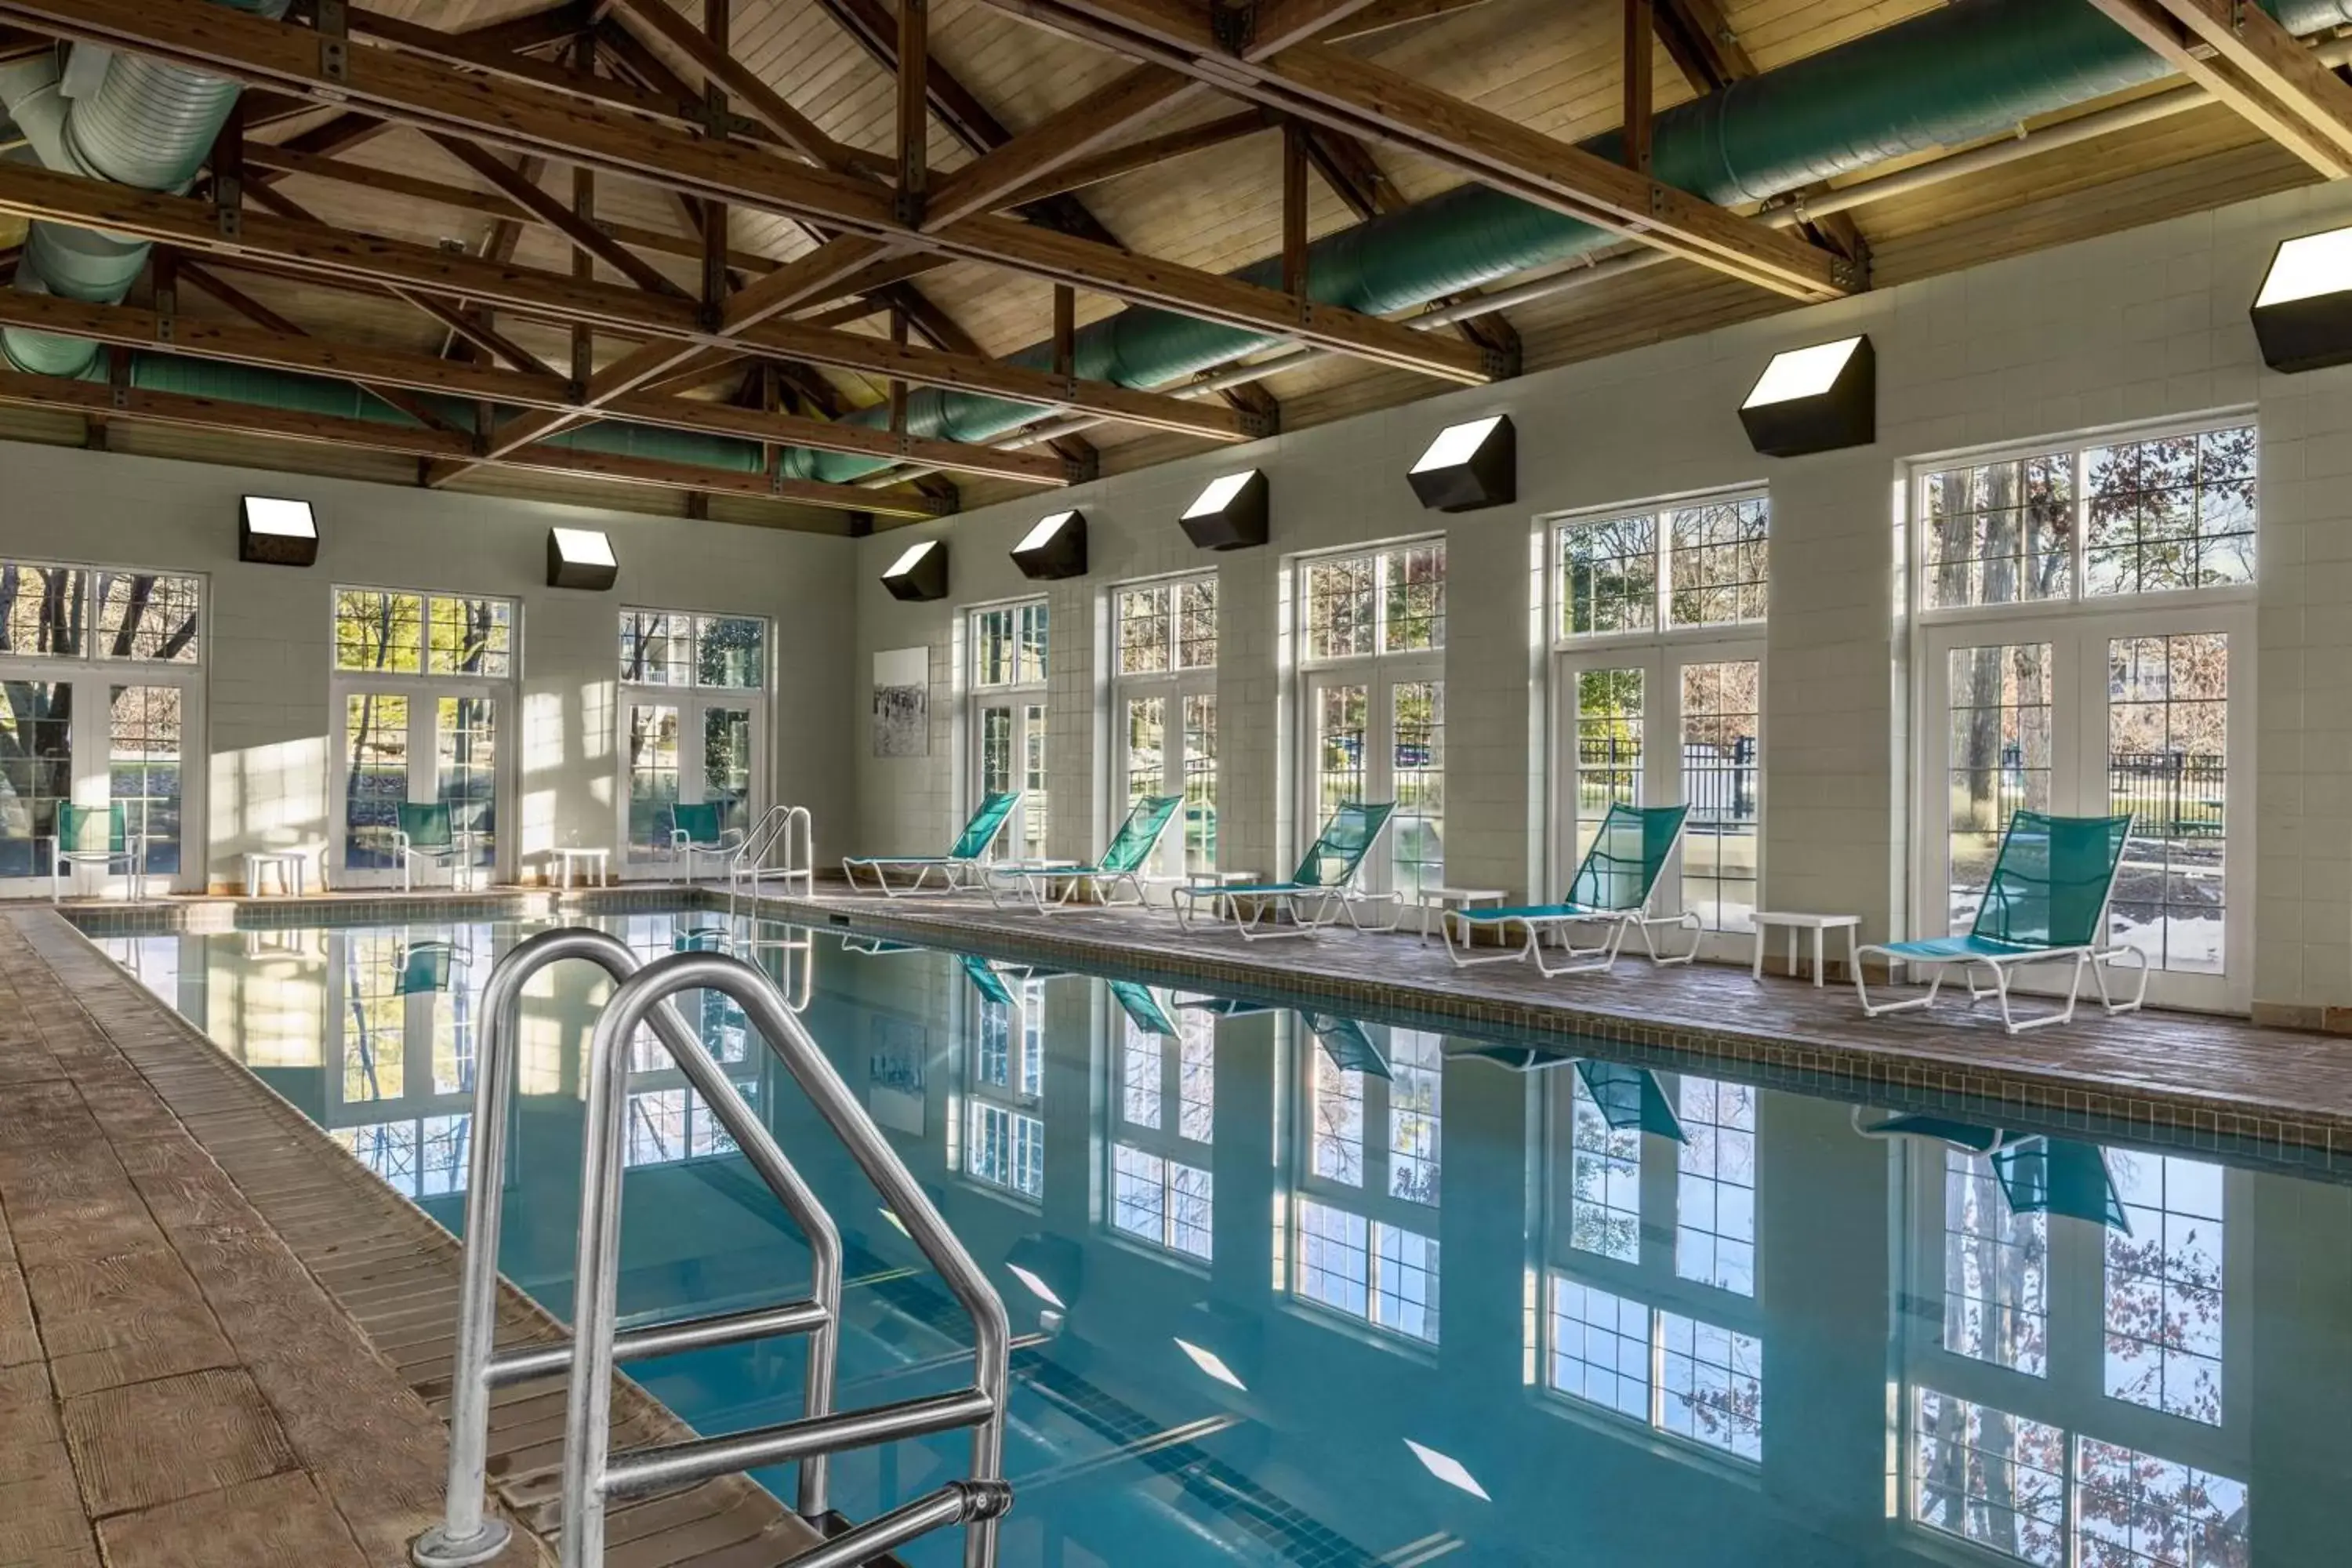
[
  {"x": 2046, "y": 902},
  {"x": 2037, "y": 1174}
]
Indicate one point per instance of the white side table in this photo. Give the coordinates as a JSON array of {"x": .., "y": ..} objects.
[
  {"x": 568, "y": 857},
  {"x": 1219, "y": 878},
  {"x": 292, "y": 865},
  {"x": 1443, "y": 898},
  {"x": 1817, "y": 924}
]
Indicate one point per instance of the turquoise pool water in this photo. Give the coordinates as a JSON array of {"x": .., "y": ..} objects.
[{"x": 1291, "y": 1289}]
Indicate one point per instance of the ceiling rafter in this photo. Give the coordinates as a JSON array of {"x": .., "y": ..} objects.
[
  {"x": 530, "y": 118},
  {"x": 2242, "y": 55},
  {"x": 1319, "y": 82},
  {"x": 318, "y": 249},
  {"x": 279, "y": 344}
]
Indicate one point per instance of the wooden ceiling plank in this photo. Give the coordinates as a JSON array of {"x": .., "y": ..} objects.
[
  {"x": 763, "y": 102},
  {"x": 1147, "y": 153},
  {"x": 1275, "y": 24},
  {"x": 1382, "y": 14},
  {"x": 528, "y": 119}
]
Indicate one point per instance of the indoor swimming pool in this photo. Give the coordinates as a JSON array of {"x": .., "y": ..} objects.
[{"x": 1290, "y": 1287}]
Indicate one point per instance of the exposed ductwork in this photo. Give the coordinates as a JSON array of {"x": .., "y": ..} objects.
[
  {"x": 124, "y": 117},
  {"x": 1970, "y": 69}
]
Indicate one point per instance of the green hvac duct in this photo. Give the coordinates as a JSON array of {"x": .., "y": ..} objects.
[{"x": 1970, "y": 69}]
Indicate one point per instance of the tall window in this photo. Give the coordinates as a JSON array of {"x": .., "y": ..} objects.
[
  {"x": 1165, "y": 708},
  {"x": 2084, "y": 611},
  {"x": 423, "y": 685},
  {"x": 1007, "y": 646},
  {"x": 1364, "y": 1239},
  {"x": 1657, "y": 623},
  {"x": 99, "y": 684},
  {"x": 694, "y": 716},
  {"x": 1162, "y": 1192},
  {"x": 1372, "y": 645}
]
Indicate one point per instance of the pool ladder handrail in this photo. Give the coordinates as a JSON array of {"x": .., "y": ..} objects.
[
  {"x": 591, "y": 1474},
  {"x": 793, "y": 828}
]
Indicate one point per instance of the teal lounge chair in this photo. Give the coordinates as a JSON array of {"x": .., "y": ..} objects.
[
  {"x": 1612, "y": 890},
  {"x": 1319, "y": 892},
  {"x": 426, "y": 833},
  {"x": 1049, "y": 888},
  {"x": 2046, "y": 903},
  {"x": 95, "y": 836},
  {"x": 964, "y": 857},
  {"x": 696, "y": 831}
]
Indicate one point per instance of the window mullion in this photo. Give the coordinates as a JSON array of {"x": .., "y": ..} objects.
[{"x": 1662, "y": 565}]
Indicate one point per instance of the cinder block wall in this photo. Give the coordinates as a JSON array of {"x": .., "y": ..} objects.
[
  {"x": 2145, "y": 325},
  {"x": 270, "y": 630}
]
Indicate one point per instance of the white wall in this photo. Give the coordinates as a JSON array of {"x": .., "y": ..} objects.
[
  {"x": 269, "y": 651},
  {"x": 2145, "y": 325}
]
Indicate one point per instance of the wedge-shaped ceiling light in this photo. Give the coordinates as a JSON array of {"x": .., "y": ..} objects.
[
  {"x": 1212, "y": 1365},
  {"x": 581, "y": 558},
  {"x": 1814, "y": 400},
  {"x": 1055, "y": 548},
  {"x": 1049, "y": 1268},
  {"x": 274, "y": 532},
  {"x": 1449, "y": 1470},
  {"x": 2303, "y": 314},
  {"x": 1231, "y": 514},
  {"x": 920, "y": 573},
  {"x": 1469, "y": 466}
]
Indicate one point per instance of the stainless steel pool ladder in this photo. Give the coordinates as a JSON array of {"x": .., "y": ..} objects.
[
  {"x": 788, "y": 829},
  {"x": 592, "y": 1474}
]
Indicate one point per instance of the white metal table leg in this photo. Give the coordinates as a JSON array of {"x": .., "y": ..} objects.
[
  {"x": 1819, "y": 966},
  {"x": 1756, "y": 968}
]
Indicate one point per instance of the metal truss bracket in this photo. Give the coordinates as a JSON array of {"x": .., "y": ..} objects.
[
  {"x": 334, "y": 42},
  {"x": 1234, "y": 27}
]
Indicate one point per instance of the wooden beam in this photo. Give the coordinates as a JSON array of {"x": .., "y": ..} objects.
[
  {"x": 717, "y": 19},
  {"x": 579, "y": 229},
  {"x": 2250, "y": 39},
  {"x": 995, "y": 179},
  {"x": 1347, "y": 167},
  {"x": 1275, "y": 24},
  {"x": 1641, "y": 47},
  {"x": 1702, "y": 45},
  {"x": 2281, "y": 118},
  {"x": 1382, "y": 14},
  {"x": 914, "y": 109},
  {"x": 763, "y": 102},
  {"x": 1355, "y": 95},
  {"x": 318, "y": 249},
  {"x": 530, "y": 118},
  {"x": 1294, "y": 210}
]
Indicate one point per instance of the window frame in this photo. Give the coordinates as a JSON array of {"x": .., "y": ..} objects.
[
  {"x": 1166, "y": 1142},
  {"x": 695, "y": 620},
  {"x": 423, "y": 675},
  {"x": 694, "y": 701},
  {"x": 1024, "y": 831}
]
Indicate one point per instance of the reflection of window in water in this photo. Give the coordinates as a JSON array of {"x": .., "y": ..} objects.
[
  {"x": 667, "y": 1125},
  {"x": 2163, "y": 1297},
  {"x": 1714, "y": 1219},
  {"x": 420, "y": 1158},
  {"x": 2003, "y": 1481},
  {"x": 1364, "y": 1242},
  {"x": 1163, "y": 1193},
  {"x": 1996, "y": 1270},
  {"x": 1005, "y": 1137},
  {"x": 1676, "y": 1373}
]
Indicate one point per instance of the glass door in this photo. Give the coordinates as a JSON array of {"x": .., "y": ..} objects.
[
  {"x": 1012, "y": 756},
  {"x": 1678, "y": 725},
  {"x": 1171, "y": 740},
  {"x": 415, "y": 746},
  {"x": 1379, "y": 735},
  {"x": 2143, "y": 714},
  {"x": 97, "y": 743},
  {"x": 688, "y": 749}
]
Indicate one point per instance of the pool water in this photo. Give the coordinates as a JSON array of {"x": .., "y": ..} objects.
[{"x": 1293, "y": 1288}]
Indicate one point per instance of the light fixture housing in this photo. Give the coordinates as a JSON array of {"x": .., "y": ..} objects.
[
  {"x": 920, "y": 573},
  {"x": 273, "y": 530},
  {"x": 2303, "y": 312},
  {"x": 581, "y": 558},
  {"x": 1472, "y": 465},
  {"x": 1230, "y": 514},
  {"x": 1053, "y": 548},
  {"x": 1817, "y": 399}
]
